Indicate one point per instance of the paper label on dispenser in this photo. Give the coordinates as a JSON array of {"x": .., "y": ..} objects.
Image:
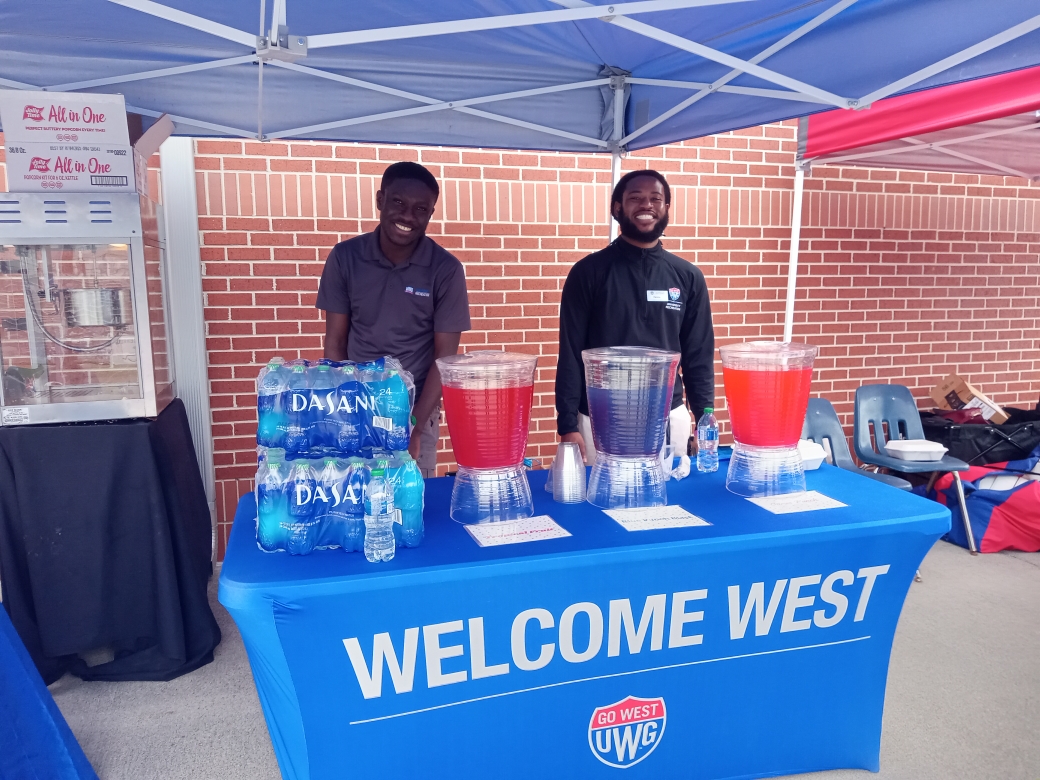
[
  {"x": 529, "y": 529},
  {"x": 653, "y": 518}
]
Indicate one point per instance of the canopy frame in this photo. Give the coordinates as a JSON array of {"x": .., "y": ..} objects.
[
  {"x": 268, "y": 50},
  {"x": 920, "y": 122}
]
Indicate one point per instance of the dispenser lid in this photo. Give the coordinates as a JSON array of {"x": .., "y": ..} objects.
[
  {"x": 783, "y": 354},
  {"x": 628, "y": 355},
  {"x": 510, "y": 368}
]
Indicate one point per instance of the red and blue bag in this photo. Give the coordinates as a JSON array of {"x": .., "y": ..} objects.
[{"x": 1000, "y": 519}]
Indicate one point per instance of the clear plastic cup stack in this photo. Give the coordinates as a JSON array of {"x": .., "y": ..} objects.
[
  {"x": 767, "y": 391},
  {"x": 629, "y": 391},
  {"x": 487, "y": 401},
  {"x": 568, "y": 475}
]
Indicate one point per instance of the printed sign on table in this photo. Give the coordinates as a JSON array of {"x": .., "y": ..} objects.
[
  {"x": 530, "y": 529},
  {"x": 788, "y": 503},
  {"x": 654, "y": 518}
]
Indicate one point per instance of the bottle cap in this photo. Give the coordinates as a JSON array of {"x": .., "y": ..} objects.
[
  {"x": 414, "y": 421},
  {"x": 709, "y": 409},
  {"x": 298, "y": 368}
]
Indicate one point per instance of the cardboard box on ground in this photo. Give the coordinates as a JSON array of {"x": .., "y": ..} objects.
[{"x": 955, "y": 392}]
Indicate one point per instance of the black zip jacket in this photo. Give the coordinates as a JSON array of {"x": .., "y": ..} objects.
[{"x": 624, "y": 296}]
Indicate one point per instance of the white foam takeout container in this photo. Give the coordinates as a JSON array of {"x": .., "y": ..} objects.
[
  {"x": 915, "y": 449},
  {"x": 811, "y": 453}
]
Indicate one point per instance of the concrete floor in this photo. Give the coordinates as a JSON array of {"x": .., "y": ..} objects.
[{"x": 963, "y": 692}]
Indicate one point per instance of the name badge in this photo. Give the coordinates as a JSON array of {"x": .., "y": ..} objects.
[{"x": 657, "y": 295}]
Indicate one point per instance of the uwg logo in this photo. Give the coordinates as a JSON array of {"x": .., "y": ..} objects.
[
  {"x": 624, "y": 733},
  {"x": 305, "y": 402}
]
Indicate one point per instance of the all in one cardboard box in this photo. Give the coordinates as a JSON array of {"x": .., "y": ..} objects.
[
  {"x": 955, "y": 393},
  {"x": 53, "y": 167},
  {"x": 68, "y": 142}
]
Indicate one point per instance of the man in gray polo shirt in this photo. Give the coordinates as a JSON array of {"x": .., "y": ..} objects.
[{"x": 395, "y": 292}]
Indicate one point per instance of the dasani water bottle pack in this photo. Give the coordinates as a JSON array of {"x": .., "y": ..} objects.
[
  {"x": 315, "y": 421},
  {"x": 313, "y": 409},
  {"x": 312, "y": 504}
]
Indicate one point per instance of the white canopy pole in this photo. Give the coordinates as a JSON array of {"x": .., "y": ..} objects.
[
  {"x": 615, "y": 175},
  {"x": 618, "y": 85},
  {"x": 792, "y": 262}
]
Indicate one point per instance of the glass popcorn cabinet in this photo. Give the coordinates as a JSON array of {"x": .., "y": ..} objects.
[{"x": 83, "y": 315}]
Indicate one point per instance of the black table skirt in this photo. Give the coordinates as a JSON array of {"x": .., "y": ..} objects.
[{"x": 105, "y": 543}]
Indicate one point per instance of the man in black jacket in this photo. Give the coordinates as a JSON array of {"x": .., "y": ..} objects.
[{"x": 634, "y": 293}]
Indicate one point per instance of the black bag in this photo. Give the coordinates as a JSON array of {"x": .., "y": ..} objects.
[{"x": 978, "y": 444}]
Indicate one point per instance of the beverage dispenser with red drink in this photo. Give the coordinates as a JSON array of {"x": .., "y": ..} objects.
[
  {"x": 767, "y": 391},
  {"x": 487, "y": 400},
  {"x": 629, "y": 390}
]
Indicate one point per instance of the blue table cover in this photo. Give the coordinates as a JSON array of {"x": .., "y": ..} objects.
[
  {"x": 755, "y": 646},
  {"x": 35, "y": 741}
]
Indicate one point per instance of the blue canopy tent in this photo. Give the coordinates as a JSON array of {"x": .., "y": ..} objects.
[
  {"x": 564, "y": 75},
  {"x": 533, "y": 74}
]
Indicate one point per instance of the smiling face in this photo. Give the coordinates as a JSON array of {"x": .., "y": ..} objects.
[
  {"x": 405, "y": 208},
  {"x": 642, "y": 213}
]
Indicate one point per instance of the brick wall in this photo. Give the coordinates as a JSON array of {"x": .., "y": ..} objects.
[{"x": 904, "y": 277}]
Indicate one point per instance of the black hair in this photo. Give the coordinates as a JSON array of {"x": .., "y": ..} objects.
[
  {"x": 619, "y": 189},
  {"x": 413, "y": 171}
]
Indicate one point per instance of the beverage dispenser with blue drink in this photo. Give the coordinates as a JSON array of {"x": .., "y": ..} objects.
[{"x": 629, "y": 391}]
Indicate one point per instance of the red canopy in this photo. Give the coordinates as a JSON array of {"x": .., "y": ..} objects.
[{"x": 984, "y": 126}]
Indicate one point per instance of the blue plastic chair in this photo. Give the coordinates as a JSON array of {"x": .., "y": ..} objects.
[
  {"x": 823, "y": 427},
  {"x": 889, "y": 412}
]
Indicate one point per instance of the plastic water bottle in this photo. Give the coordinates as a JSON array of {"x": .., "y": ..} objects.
[
  {"x": 375, "y": 426},
  {"x": 323, "y": 401},
  {"x": 409, "y": 499},
  {"x": 354, "y": 505},
  {"x": 379, "y": 518},
  {"x": 708, "y": 442},
  {"x": 270, "y": 404},
  {"x": 396, "y": 407},
  {"x": 272, "y": 502},
  {"x": 346, "y": 420},
  {"x": 328, "y": 503},
  {"x": 297, "y": 431},
  {"x": 305, "y": 528}
]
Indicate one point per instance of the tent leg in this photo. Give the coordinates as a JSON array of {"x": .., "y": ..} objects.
[
  {"x": 792, "y": 263},
  {"x": 615, "y": 175},
  {"x": 964, "y": 514}
]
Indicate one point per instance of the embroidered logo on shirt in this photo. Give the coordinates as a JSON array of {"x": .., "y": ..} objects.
[
  {"x": 409, "y": 290},
  {"x": 673, "y": 293},
  {"x": 422, "y": 293}
]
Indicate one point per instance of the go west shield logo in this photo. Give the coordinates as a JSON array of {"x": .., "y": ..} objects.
[
  {"x": 673, "y": 293},
  {"x": 624, "y": 733}
]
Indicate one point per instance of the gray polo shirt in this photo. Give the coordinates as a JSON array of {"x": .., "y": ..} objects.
[{"x": 395, "y": 310}]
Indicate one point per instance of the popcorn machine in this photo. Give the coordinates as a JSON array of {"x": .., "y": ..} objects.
[{"x": 83, "y": 311}]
